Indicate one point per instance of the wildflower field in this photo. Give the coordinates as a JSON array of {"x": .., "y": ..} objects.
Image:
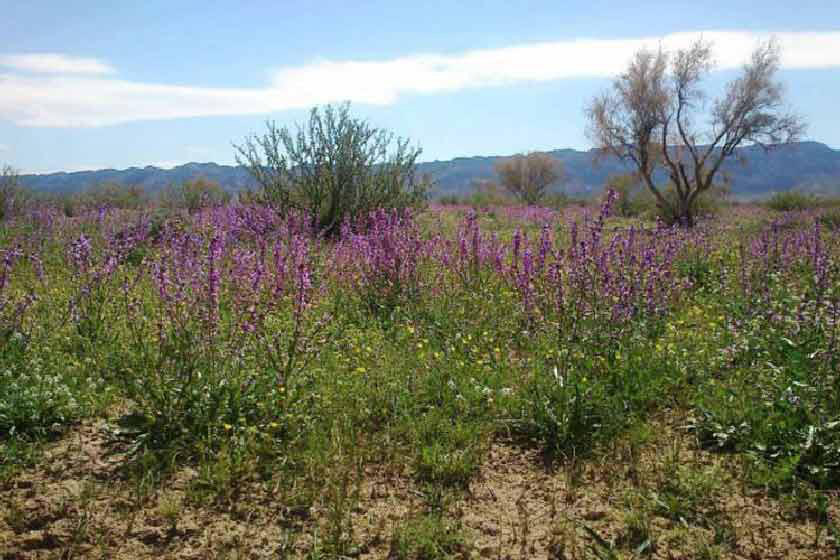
[{"x": 457, "y": 383}]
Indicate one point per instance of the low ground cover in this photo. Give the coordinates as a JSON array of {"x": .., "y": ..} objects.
[{"x": 513, "y": 382}]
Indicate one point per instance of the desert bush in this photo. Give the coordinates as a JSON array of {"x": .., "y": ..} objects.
[
  {"x": 628, "y": 189},
  {"x": 830, "y": 219},
  {"x": 101, "y": 196},
  {"x": 708, "y": 203},
  {"x": 450, "y": 200},
  {"x": 194, "y": 195},
  {"x": 14, "y": 198},
  {"x": 427, "y": 537},
  {"x": 487, "y": 194},
  {"x": 789, "y": 201},
  {"x": 334, "y": 167},
  {"x": 113, "y": 195},
  {"x": 528, "y": 176}
]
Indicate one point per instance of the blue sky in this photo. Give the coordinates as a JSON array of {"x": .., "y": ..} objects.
[{"x": 87, "y": 85}]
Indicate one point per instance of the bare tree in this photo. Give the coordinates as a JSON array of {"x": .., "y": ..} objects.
[
  {"x": 528, "y": 176},
  {"x": 650, "y": 117}
]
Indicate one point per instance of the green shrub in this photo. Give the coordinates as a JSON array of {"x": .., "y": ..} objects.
[
  {"x": 830, "y": 219},
  {"x": 37, "y": 393},
  {"x": 450, "y": 200},
  {"x": 194, "y": 195},
  {"x": 13, "y": 196},
  {"x": 449, "y": 453},
  {"x": 780, "y": 402},
  {"x": 113, "y": 195},
  {"x": 567, "y": 414},
  {"x": 707, "y": 203},
  {"x": 487, "y": 194},
  {"x": 791, "y": 201},
  {"x": 429, "y": 537},
  {"x": 335, "y": 167},
  {"x": 628, "y": 190}
]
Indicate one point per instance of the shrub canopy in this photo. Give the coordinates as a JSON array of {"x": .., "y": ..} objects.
[{"x": 333, "y": 167}]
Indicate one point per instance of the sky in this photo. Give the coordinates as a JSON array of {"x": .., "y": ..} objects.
[{"x": 91, "y": 85}]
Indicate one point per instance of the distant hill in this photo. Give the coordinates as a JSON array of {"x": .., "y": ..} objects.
[{"x": 808, "y": 165}]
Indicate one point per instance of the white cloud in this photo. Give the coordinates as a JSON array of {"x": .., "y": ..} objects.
[
  {"x": 53, "y": 63},
  {"x": 71, "y": 100},
  {"x": 4, "y": 148}
]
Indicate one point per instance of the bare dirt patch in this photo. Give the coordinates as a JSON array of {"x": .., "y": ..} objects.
[
  {"x": 637, "y": 504},
  {"x": 658, "y": 496}
]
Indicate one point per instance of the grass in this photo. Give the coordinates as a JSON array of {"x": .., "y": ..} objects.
[
  {"x": 428, "y": 537},
  {"x": 444, "y": 418}
]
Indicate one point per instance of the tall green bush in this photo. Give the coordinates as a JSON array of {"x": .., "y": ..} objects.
[
  {"x": 333, "y": 167},
  {"x": 194, "y": 194}
]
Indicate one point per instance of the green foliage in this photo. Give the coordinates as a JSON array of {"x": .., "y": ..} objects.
[
  {"x": 308, "y": 408},
  {"x": 14, "y": 198},
  {"x": 194, "y": 195},
  {"x": 567, "y": 414},
  {"x": 699, "y": 269},
  {"x": 708, "y": 203},
  {"x": 112, "y": 195},
  {"x": 780, "y": 401},
  {"x": 788, "y": 201},
  {"x": 37, "y": 395},
  {"x": 450, "y": 200},
  {"x": 584, "y": 396},
  {"x": 628, "y": 190},
  {"x": 335, "y": 167},
  {"x": 830, "y": 219},
  {"x": 686, "y": 494},
  {"x": 487, "y": 194},
  {"x": 447, "y": 453},
  {"x": 429, "y": 537}
]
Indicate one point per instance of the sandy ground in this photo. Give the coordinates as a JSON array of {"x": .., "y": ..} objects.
[{"x": 75, "y": 504}]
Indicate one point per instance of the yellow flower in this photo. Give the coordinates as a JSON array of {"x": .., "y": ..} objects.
[{"x": 227, "y": 427}]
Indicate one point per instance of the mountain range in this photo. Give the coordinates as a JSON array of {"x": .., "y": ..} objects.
[{"x": 809, "y": 166}]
